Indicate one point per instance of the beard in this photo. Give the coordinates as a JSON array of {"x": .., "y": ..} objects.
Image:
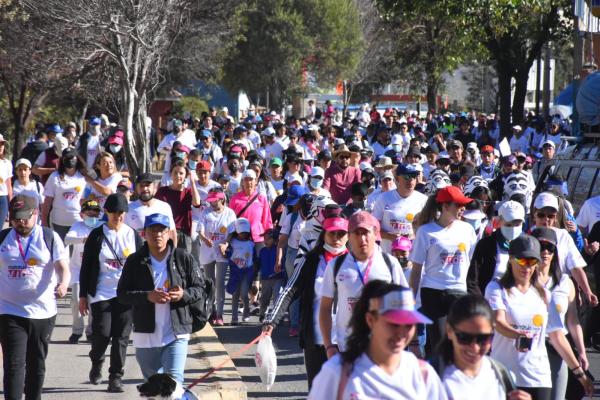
[
  {"x": 146, "y": 197},
  {"x": 23, "y": 230}
]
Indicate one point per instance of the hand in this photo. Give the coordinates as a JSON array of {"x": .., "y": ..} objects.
[
  {"x": 571, "y": 227},
  {"x": 207, "y": 241},
  {"x": 223, "y": 248},
  {"x": 583, "y": 361},
  {"x": 60, "y": 290},
  {"x": 277, "y": 267},
  {"x": 83, "y": 306},
  {"x": 332, "y": 350},
  {"x": 592, "y": 298},
  {"x": 175, "y": 294},
  {"x": 158, "y": 297},
  {"x": 267, "y": 330},
  {"x": 591, "y": 248},
  {"x": 588, "y": 385},
  {"x": 519, "y": 395}
]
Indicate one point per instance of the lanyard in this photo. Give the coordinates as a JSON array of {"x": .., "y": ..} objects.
[
  {"x": 364, "y": 279},
  {"x": 24, "y": 254}
]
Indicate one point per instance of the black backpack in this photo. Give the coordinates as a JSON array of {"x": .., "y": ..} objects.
[
  {"x": 47, "y": 233},
  {"x": 318, "y": 113}
]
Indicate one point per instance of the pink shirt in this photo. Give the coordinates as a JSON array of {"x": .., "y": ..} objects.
[
  {"x": 259, "y": 213},
  {"x": 339, "y": 182}
]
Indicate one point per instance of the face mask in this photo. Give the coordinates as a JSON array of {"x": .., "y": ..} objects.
[
  {"x": 397, "y": 148},
  {"x": 333, "y": 250},
  {"x": 511, "y": 232},
  {"x": 115, "y": 148},
  {"x": 91, "y": 222},
  {"x": 180, "y": 154},
  {"x": 475, "y": 223},
  {"x": 192, "y": 164},
  {"x": 70, "y": 162},
  {"x": 403, "y": 261},
  {"x": 316, "y": 183}
]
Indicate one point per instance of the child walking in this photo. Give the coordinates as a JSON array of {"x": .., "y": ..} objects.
[
  {"x": 240, "y": 255},
  {"x": 270, "y": 281}
]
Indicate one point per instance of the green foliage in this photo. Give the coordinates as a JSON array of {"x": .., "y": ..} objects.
[{"x": 192, "y": 104}]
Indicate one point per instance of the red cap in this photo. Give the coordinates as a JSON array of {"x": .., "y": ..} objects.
[
  {"x": 335, "y": 224},
  {"x": 115, "y": 140},
  {"x": 487, "y": 149},
  {"x": 452, "y": 194},
  {"x": 214, "y": 196},
  {"x": 203, "y": 165},
  {"x": 363, "y": 219}
]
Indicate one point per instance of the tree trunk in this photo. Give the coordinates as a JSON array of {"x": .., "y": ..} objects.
[
  {"x": 521, "y": 76},
  {"x": 127, "y": 116},
  {"x": 504, "y": 92},
  {"x": 432, "y": 90}
]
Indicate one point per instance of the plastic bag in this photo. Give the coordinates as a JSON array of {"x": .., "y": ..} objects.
[{"x": 266, "y": 361}]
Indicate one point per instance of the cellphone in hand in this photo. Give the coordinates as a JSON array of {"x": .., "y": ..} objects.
[{"x": 523, "y": 343}]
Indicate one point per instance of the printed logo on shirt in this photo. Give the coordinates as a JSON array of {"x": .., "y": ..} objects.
[
  {"x": 18, "y": 271},
  {"x": 126, "y": 252},
  {"x": 537, "y": 320},
  {"x": 113, "y": 264},
  {"x": 77, "y": 189},
  {"x": 223, "y": 229},
  {"x": 451, "y": 258},
  {"x": 68, "y": 196},
  {"x": 401, "y": 226},
  {"x": 558, "y": 308},
  {"x": 410, "y": 217},
  {"x": 462, "y": 247},
  {"x": 32, "y": 262}
]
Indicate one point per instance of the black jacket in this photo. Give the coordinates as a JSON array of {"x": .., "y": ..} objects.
[
  {"x": 32, "y": 150},
  {"x": 483, "y": 263},
  {"x": 137, "y": 281},
  {"x": 90, "y": 264}
]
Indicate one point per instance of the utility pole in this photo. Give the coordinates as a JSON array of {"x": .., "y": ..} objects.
[
  {"x": 547, "y": 69},
  {"x": 538, "y": 78}
]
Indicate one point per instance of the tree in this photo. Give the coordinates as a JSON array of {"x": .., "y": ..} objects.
[
  {"x": 483, "y": 87},
  {"x": 283, "y": 42}
]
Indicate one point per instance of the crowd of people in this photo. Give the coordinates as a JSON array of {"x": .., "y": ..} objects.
[{"x": 413, "y": 257}]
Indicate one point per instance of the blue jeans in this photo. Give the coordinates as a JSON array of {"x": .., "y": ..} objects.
[
  {"x": 169, "y": 359},
  {"x": 3, "y": 210}
]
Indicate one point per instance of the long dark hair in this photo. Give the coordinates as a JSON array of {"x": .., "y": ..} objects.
[
  {"x": 429, "y": 212},
  {"x": 507, "y": 281},
  {"x": 80, "y": 166},
  {"x": 359, "y": 338},
  {"x": 463, "y": 308}
]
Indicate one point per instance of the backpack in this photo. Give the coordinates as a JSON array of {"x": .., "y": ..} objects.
[
  {"x": 201, "y": 309},
  {"x": 318, "y": 113},
  {"x": 46, "y": 232},
  {"x": 340, "y": 260}
]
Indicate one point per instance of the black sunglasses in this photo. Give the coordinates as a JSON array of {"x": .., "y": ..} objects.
[
  {"x": 547, "y": 246},
  {"x": 468, "y": 338}
]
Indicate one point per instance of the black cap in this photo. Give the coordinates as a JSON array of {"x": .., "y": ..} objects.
[
  {"x": 525, "y": 246},
  {"x": 359, "y": 189},
  {"x": 324, "y": 154},
  {"x": 69, "y": 152},
  {"x": 145, "y": 177},
  {"x": 22, "y": 206},
  {"x": 116, "y": 202},
  {"x": 413, "y": 151},
  {"x": 544, "y": 234}
]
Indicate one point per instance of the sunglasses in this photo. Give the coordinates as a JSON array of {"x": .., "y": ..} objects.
[
  {"x": 526, "y": 262},
  {"x": 549, "y": 247},
  {"x": 408, "y": 177},
  {"x": 344, "y": 157},
  {"x": 542, "y": 215},
  {"x": 466, "y": 339}
]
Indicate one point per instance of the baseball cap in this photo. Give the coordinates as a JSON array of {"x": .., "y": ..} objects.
[
  {"x": 406, "y": 169},
  {"x": 317, "y": 171},
  {"x": 455, "y": 143},
  {"x": 206, "y": 133},
  {"x": 525, "y": 246},
  {"x": 242, "y": 225},
  {"x": 23, "y": 161},
  {"x": 511, "y": 210},
  {"x": 95, "y": 121},
  {"x": 335, "y": 224},
  {"x": 249, "y": 174},
  {"x": 398, "y": 307},
  {"x": 294, "y": 194},
  {"x": 363, "y": 219},
  {"x": 324, "y": 154},
  {"x": 511, "y": 159},
  {"x": 452, "y": 194},
  {"x": 487, "y": 149},
  {"x": 546, "y": 199},
  {"x": 54, "y": 128},
  {"x": 276, "y": 161},
  {"x": 115, "y": 140},
  {"x": 214, "y": 195},
  {"x": 203, "y": 165},
  {"x": 125, "y": 182},
  {"x": 402, "y": 243},
  {"x": 22, "y": 206},
  {"x": 386, "y": 175},
  {"x": 116, "y": 202},
  {"x": 145, "y": 177},
  {"x": 157, "y": 219},
  {"x": 517, "y": 127},
  {"x": 544, "y": 234},
  {"x": 443, "y": 156},
  {"x": 268, "y": 131},
  {"x": 365, "y": 167},
  {"x": 90, "y": 205},
  {"x": 413, "y": 151},
  {"x": 549, "y": 143}
]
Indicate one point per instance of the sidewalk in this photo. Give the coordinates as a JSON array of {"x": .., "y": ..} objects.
[{"x": 68, "y": 365}]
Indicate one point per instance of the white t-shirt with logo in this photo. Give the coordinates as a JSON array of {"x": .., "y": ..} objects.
[
  {"x": 93, "y": 149},
  {"x": 485, "y": 385},
  {"x": 242, "y": 254},
  {"x": 369, "y": 381},
  {"x": 527, "y": 312},
  {"x": 76, "y": 237},
  {"x": 445, "y": 254},
  {"x": 111, "y": 267},
  {"x": 396, "y": 213},
  {"x": 215, "y": 226},
  {"x": 111, "y": 182},
  {"x": 136, "y": 216},
  {"x": 560, "y": 296},
  {"x": 589, "y": 213},
  {"x": 6, "y": 172},
  {"x": 66, "y": 193},
  {"x": 27, "y": 283},
  {"x": 350, "y": 285},
  {"x": 271, "y": 151},
  {"x": 294, "y": 232}
]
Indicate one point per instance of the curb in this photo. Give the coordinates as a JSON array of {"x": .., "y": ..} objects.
[{"x": 205, "y": 352}]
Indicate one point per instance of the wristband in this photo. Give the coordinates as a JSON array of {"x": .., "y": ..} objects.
[
  {"x": 331, "y": 346},
  {"x": 575, "y": 368}
]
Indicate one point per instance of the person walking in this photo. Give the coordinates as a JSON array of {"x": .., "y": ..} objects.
[
  {"x": 159, "y": 282},
  {"x": 104, "y": 255},
  {"x": 34, "y": 273}
]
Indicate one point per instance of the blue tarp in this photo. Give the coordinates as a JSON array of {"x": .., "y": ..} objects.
[{"x": 565, "y": 98}]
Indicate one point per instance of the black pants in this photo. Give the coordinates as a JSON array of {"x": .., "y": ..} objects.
[
  {"x": 314, "y": 358},
  {"x": 435, "y": 305},
  {"x": 110, "y": 320},
  {"x": 537, "y": 393},
  {"x": 25, "y": 347}
]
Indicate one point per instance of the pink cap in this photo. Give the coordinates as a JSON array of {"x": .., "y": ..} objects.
[
  {"x": 214, "y": 196},
  {"x": 119, "y": 133},
  {"x": 402, "y": 243},
  {"x": 363, "y": 219},
  {"x": 335, "y": 224}
]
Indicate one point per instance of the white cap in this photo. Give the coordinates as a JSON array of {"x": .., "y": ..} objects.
[
  {"x": 511, "y": 210},
  {"x": 317, "y": 171},
  {"x": 249, "y": 173},
  {"x": 364, "y": 166},
  {"x": 242, "y": 225},
  {"x": 546, "y": 199},
  {"x": 418, "y": 167},
  {"x": 472, "y": 145},
  {"x": 311, "y": 128},
  {"x": 295, "y": 178},
  {"x": 550, "y": 142},
  {"x": 517, "y": 127},
  {"x": 60, "y": 143},
  {"x": 23, "y": 161},
  {"x": 268, "y": 131},
  {"x": 474, "y": 214},
  {"x": 443, "y": 154},
  {"x": 225, "y": 109}
]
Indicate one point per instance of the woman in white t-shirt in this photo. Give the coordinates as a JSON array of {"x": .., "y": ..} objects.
[
  {"x": 441, "y": 256},
  {"x": 23, "y": 182},
  {"x": 467, "y": 372},
  {"x": 376, "y": 364},
  {"x": 6, "y": 172},
  {"x": 63, "y": 192},
  {"x": 107, "y": 178},
  {"x": 525, "y": 313}
]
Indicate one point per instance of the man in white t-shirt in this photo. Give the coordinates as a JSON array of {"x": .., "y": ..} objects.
[
  {"x": 272, "y": 147},
  {"x": 89, "y": 143},
  {"x": 396, "y": 209},
  {"x": 364, "y": 262}
]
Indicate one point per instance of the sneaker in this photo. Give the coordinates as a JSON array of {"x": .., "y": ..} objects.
[
  {"x": 293, "y": 332},
  {"x": 115, "y": 385},
  {"x": 218, "y": 321},
  {"x": 246, "y": 318},
  {"x": 96, "y": 374},
  {"x": 212, "y": 318},
  {"x": 74, "y": 339}
]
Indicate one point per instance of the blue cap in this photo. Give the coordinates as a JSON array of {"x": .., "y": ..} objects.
[
  {"x": 406, "y": 169},
  {"x": 206, "y": 133},
  {"x": 157, "y": 219},
  {"x": 54, "y": 128},
  {"x": 95, "y": 121},
  {"x": 294, "y": 194}
]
